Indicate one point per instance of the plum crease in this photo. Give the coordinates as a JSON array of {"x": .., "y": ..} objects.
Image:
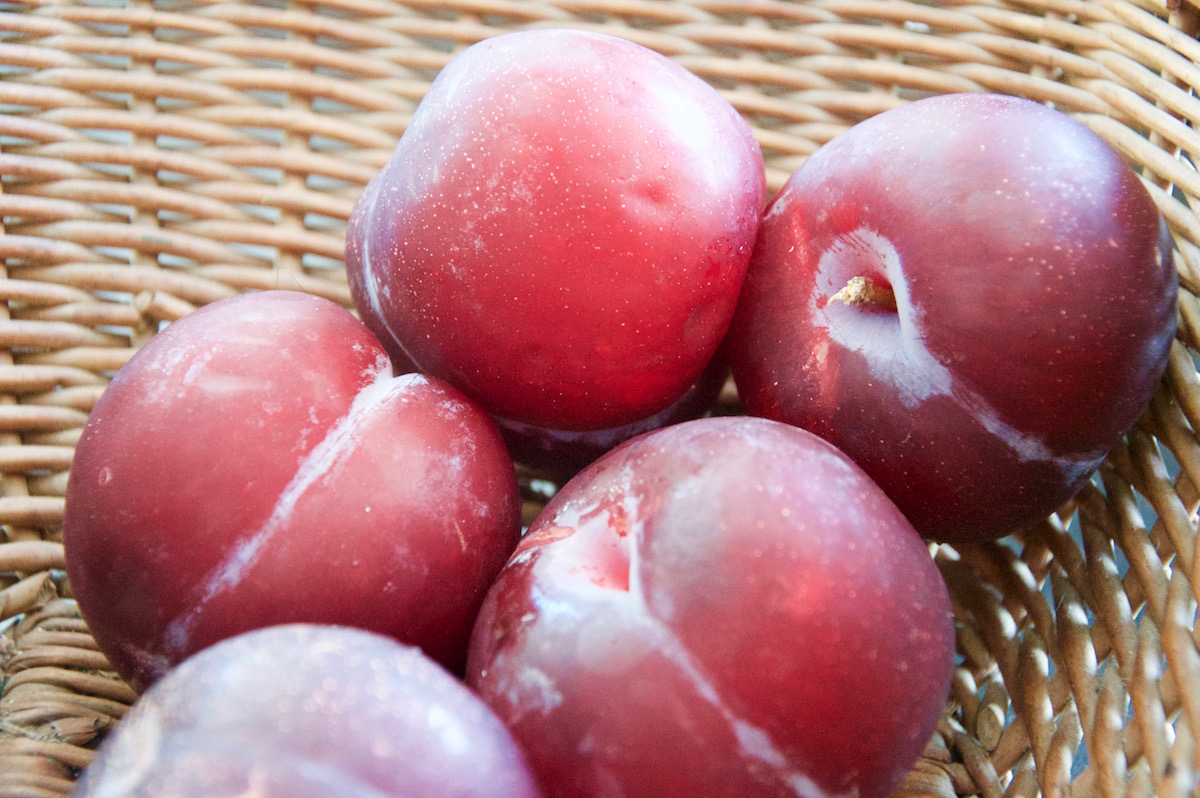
[
  {"x": 913, "y": 363},
  {"x": 754, "y": 742},
  {"x": 338, "y": 443},
  {"x": 633, "y": 539}
]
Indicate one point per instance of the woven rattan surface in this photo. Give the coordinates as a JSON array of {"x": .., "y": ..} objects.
[{"x": 156, "y": 156}]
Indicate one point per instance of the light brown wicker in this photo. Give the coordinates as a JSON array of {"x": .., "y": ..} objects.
[{"x": 162, "y": 154}]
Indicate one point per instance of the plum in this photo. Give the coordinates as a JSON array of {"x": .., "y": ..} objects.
[
  {"x": 301, "y": 711},
  {"x": 972, "y": 296},
  {"x": 726, "y": 607},
  {"x": 562, "y": 230},
  {"x": 257, "y": 463},
  {"x": 560, "y": 454}
]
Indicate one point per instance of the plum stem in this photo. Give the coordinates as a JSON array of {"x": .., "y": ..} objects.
[{"x": 862, "y": 290}]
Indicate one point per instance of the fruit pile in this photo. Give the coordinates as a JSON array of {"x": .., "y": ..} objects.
[{"x": 938, "y": 328}]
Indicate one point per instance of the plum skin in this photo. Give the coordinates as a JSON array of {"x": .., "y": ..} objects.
[
  {"x": 304, "y": 710},
  {"x": 724, "y": 607},
  {"x": 1036, "y": 308},
  {"x": 562, "y": 229},
  {"x": 560, "y": 454},
  {"x": 256, "y": 463}
]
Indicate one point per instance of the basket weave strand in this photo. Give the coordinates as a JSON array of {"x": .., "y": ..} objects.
[{"x": 158, "y": 156}]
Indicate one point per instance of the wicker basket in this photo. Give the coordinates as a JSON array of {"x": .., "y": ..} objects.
[{"x": 160, "y": 155}]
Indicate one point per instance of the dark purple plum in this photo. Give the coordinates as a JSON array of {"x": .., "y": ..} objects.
[{"x": 972, "y": 296}]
